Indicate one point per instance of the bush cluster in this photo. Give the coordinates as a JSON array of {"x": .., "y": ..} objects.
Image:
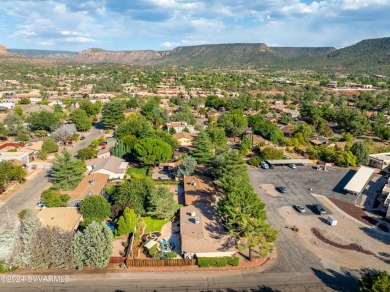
[{"x": 218, "y": 262}]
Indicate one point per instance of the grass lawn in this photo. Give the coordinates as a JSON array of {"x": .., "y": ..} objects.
[
  {"x": 153, "y": 224},
  {"x": 137, "y": 170}
]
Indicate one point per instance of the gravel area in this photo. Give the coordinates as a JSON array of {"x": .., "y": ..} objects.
[{"x": 344, "y": 233}]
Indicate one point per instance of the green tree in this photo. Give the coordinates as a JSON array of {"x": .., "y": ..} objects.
[
  {"x": 92, "y": 109},
  {"x": 269, "y": 153},
  {"x": 14, "y": 123},
  {"x": 43, "y": 120},
  {"x": 265, "y": 128},
  {"x": 95, "y": 208},
  {"x": 82, "y": 121},
  {"x": 50, "y": 146},
  {"x": 92, "y": 247},
  {"x": 24, "y": 100},
  {"x": 121, "y": 149},
  {"x": 233, "y": 122},
  {"x": 361, "y": 152},
  {"x": 22, "y": 137},
  {"x": 304, "y": 129},
  {"x": 133, "y": 194},
  {"x": 113, "y": 113},
  {"x": 53, "y": 198},
  {"x": 3, "y": 130},
  {"x": 203, "y": 151},
  {"x": 87, "y": 153},
  {"x": 126, "y": 223},
  {"x": 152, "y": 151},
  {"x": 347, "y": 137},
  {"x": 378, "y": 281},
  {"x": 9, "y": 171},
  {"x": 187, "y": 167},
  {"x": 67, "y": 171},
  {"x": 217, "y": 137},
  {"x": 162, "y": 204}
]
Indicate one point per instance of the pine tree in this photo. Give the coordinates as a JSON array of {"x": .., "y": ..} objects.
[
  {"x": 113, "y": 113},
  {"x": 67, "y": 171},
  {"x": 187, "y": 167},
  {"x": 92, "y": 247},
  {"x": 162, "y": 204},
  {"x": 203, "y": 151}
]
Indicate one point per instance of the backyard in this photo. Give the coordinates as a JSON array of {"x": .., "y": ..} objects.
[
  {"x": 138, "y": 170},
  {"x": 153, "y": 224}
]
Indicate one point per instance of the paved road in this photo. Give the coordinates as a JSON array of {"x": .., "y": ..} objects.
[
  {"x": 251, "y": 280},
  {"x": 29, "y": 194}
]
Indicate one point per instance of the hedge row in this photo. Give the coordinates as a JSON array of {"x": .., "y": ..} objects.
[{"x": 218, "y": 261}]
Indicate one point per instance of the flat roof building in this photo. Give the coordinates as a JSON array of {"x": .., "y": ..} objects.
[
  {"x": 68, "y": 219},
  {"x": 359, "y": 181}
]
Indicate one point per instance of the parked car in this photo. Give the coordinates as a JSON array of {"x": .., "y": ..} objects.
[
  {"x": 82, "y": 138},
  {"x": 282, "y": 189},
  {"x": 40, "y": 204},
  {"x": 264, "y": 165},
  {"x": 331, "y": 220},
  {"x": 292, "y": 165},
  {"x": 299, "y": 208},
  {"x": 319, "y": 209},
  {"x": 287, "y": 157}
]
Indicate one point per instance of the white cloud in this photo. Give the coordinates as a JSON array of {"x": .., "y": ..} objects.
[{"x": 146, "y": 24}]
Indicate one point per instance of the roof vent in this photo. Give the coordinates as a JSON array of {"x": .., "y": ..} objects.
[
  {"x": 197, "y": 220},
  {"x": 193, "y": 213}
]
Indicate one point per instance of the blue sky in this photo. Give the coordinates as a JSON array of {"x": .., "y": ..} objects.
[{"x": 164, "y": 24}]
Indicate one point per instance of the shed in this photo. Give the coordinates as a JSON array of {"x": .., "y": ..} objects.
[{"x": 359, "y": 181}]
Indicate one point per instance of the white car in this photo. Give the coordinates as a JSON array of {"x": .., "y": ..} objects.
[{"x": 292, "y": 165}]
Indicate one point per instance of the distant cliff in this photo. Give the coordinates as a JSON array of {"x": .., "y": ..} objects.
[
  {"x": 124, "y": 57},
  {"x": 373, "y": 53}
]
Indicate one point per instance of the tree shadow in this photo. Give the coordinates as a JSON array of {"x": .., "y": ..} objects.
[
  {"x": 338, "y": 281},
  {"x": 377, "y": 234}
]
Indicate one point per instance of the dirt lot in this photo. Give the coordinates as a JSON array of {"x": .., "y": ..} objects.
[{"x": 345, "y": 232}]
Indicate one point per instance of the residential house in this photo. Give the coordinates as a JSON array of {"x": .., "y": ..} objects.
[
  {"x": 180, "y": 127},
  {"x": 68, "y": 219},
  {"x": 90, "y": 185},
  {"x": 202, "y": 232},
  {"x": 318, "y": 140},
  {"x": 183, "y": 138},
  {"x": 113, "y": 166},
  {"x": 18, "y": 156},
  {"x": 106, "y": 151},
  {"x": 7, "y": 104}
]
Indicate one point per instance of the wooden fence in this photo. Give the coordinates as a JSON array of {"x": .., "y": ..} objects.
[
  {"x": 159, "y": 263},
  {"x": 117, "y": 260}
]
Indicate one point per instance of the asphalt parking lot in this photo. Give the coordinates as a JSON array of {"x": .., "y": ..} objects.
[{"x": 302, "y": 181}]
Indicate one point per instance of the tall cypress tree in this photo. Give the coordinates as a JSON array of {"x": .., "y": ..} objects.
[{"x": 203, "y": 151}]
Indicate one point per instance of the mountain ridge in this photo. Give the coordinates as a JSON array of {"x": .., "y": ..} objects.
[{"x": 364, "y": 54}]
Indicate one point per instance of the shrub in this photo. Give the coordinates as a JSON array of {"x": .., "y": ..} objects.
[
  {"x": 22, "y": 214},
  {"x": 153, "y": 250},
  {"x": 158, "y": 255},
  {"x": 217, "y": 262},
  {"x": 255, "y": 161},
  {"x": 171, "y": 255},
  {"x": 4, "y": 268}
]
